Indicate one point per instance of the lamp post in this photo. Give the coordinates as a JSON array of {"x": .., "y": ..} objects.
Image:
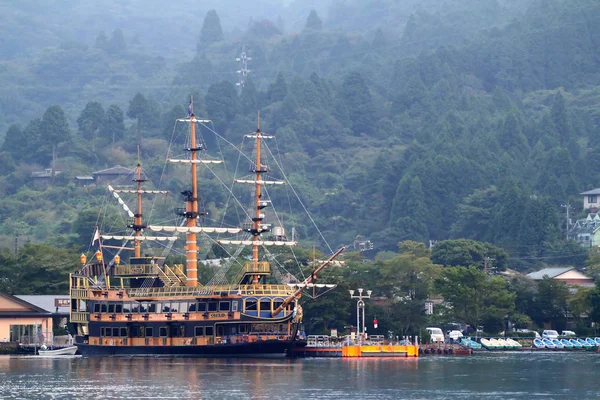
[{"x": 360, "y": 304}]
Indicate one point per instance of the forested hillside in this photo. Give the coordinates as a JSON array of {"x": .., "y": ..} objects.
[{"x": 414, "y": 120}]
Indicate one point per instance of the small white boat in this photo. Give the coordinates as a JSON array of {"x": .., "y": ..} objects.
[{"x": 65, "y": 351}]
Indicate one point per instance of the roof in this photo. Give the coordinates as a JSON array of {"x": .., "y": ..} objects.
[
  {"x": 47, "y": 302},
  {"x": 549, "y": 272},
  {"x": 32, "y": 309},
  {"x": 593, "y": 191},
  {"x": 118, "y": 170},
  {"x": 47, "y": 173}
]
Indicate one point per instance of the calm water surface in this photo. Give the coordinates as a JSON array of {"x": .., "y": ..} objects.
[{"x": 491, "y": 376}]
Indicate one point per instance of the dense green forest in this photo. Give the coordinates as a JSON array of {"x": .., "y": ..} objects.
[{"x": 414, "y": 120}]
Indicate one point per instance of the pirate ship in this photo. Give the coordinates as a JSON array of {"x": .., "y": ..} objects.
[{"x": 146, "y": 307}]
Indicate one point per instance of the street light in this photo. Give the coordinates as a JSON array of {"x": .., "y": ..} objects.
[{"x": 360, "y": 304}]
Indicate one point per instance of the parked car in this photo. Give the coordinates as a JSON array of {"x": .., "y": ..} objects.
[
  {"x": 536, "y": 333},
  {"x": 568, "y": 333},
  {"x": 435, "y": 334},
  {"x": 455, "y": 335},
  {"x": 549, "y": 334}
]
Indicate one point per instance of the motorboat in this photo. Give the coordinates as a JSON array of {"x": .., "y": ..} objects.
[
  {"x": 488, "y": 344},
  {"x": 576, "y": 343},
  {"x": 566, "y": 344},
  {"x": 557, "y": 343},
  {"x": 467, "y": 342},
  {"x": 64, "y": 351},
  {"x": 548, "y": 343},
  {"x": 537, "y": 343},
  {"x": 513, "y": 344},
  {"x": 584, "y": 344}
]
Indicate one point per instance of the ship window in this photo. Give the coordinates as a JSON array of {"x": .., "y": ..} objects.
[
  {"x": 107, "y": 332},
  {"x": 220, "y": 330},
  {"x": 192, "y": 307},
  {"x": 174, "y": 306},
  {"x": 277, "y": 304},
  {"x": 135, "y": 307},
  {"x": 126, "y": 307},
  {"x": 135, "y": 331},
  {"x": 163, "y": 331},
  {"x": 224, "y": 306},
  {"x": 158, "y": 307},
  {"x": 152, "y": 307},
  {"x": 199, "y": 331},
  {"x": 97, "y": 307},
  {"x": 148, "y": 332},
  {"x": 101, "y": 331},
  {"x": 265, "y": 305},
  {"x": 201, "y": 306},
  {"x": 166, "y": 307},
  {"x": 143, "y": 307},
  {"x": 183, "y": 306},
  {"x": 243, "y": 328},
  {"x": 234, "y": 306},
  {"x": 182, "y": 331},
  {"x": 115, "y": 332},
  {"x": 209, "y": 331},
  {"x": 111, "y": 308},
  {"x": 118, "y": 308},
  {"x": 123, "y": 332},
  {"x": 103, "y": 308},
  {"x": 212, "y": 306},
  {"x": 251, "y": 305}
]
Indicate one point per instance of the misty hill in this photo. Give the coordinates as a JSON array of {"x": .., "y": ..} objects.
[{"x": 426, "y": 121}]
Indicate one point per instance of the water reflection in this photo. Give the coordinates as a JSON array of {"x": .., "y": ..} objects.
[{"x": 505, "y": 376}]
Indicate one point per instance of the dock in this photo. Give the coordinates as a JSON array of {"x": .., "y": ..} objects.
[{"x": 349, "y": 347}]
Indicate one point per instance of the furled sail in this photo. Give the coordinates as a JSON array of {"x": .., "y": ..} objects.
[
  {"x": 134, "y": 191},
  {"x": 258, "y": 242},
  {"x": 192, "y": 229},
  {"x": 195, "y": 161},
  {"x": 260, "y": 182},
  {"x": 254, "y": 136},
  {"x": 121, "y": 202},
  {"x": 309, "y": 285},
  {"x": 141, "y": 238}
]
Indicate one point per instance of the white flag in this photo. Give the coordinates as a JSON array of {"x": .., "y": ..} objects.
[{"x": 96, "y": 236}]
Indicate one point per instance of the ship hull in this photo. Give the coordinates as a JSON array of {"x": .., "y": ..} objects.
[{"x": 263, "y": 349}]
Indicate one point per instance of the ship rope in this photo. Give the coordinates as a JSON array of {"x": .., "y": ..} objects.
[{"x": 299, "y": 199}]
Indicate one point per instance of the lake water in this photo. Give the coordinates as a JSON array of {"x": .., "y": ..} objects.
[{"x": 552, "y": 375}]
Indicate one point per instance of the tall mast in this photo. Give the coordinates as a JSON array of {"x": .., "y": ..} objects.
[
  {"x": 191, "y": 208},
  {"x": 257, "y": 216},
  {"x": 137, "y": 221}
]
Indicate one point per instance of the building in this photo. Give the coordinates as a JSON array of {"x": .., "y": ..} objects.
[
  {"x": 586, "y": 231},
  {"x": 591, "y": 200},
  {"x": 114, "y": 174},
  {"x": 58, "y": 306},
  {"x": 84, "y": 180},
  {"x": 568, "y": 275},
  {"x": 45, "y": 177},
  {"x": 23, "y": 322}
]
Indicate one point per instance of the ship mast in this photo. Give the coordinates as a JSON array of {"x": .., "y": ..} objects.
[
  {"x": 257, "y": 216},
  {"x": 137, "y": 221},
  {"x": 191, "y": 208}
]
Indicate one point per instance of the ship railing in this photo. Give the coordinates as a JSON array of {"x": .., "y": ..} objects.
[
  {"x": 77, "y": 316},
  {"x": 79, "y": 293},
  {"x": 247, "y": 290},
  {"x": 135, "y": 269}
]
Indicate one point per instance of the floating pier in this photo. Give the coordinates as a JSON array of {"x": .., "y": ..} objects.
[{"x": 324, "y": 346}]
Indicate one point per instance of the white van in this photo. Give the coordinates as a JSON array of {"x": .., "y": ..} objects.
[{"x": 435, "y": 334}]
